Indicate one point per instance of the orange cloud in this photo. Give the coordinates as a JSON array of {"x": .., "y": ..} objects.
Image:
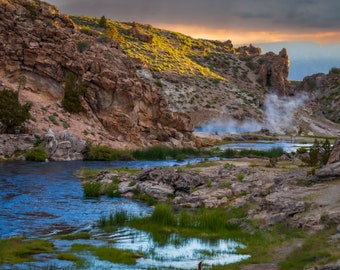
[{"x": 246, "y": 37}]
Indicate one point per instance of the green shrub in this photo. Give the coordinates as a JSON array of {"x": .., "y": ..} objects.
[
  {"x": 240, "y": 176},
  {"x": 83, "y": 45},
  {"x": 86, "y": 30},
  {"x": 74, "y": 89},
  {"x": 111, "y": 190},
  {"x": 228, "y": 153},
  {"x": 91, "y": 189},
  {"x": 32, "y": 9},
  {"x": 103, "y": 152},
  {"x": 335, "y": 71},
  {"x": 103, "y": 22},
  {"x": 38, "y": 154},
  {"x": 12, "y": 113}
]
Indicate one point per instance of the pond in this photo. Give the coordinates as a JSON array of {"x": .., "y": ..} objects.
[{"x": 42, "y": 200}]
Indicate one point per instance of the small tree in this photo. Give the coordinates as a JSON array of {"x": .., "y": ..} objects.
[
  {"x": 103, "y": 22},
  {"x": 326, "y": 150},
  {"x": 12, "y": 113},
  {"x": 314, "y": 153},
  {"x": 74, "y": 88}
]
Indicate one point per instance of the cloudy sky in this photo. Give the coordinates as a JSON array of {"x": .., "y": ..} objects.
[
  {"x": 242, "y": 21},
  {"x": 309, "y": 29}
]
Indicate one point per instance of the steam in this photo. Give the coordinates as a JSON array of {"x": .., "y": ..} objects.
[
  {"x": 279, "y": 117},
  {"x": 280, "y": 112}
]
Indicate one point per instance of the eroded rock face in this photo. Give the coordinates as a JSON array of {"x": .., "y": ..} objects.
[
  {"x": 273, "y": 72},
  {"x": 45, "y": 46},
  {"x": 62, "y": 146}
]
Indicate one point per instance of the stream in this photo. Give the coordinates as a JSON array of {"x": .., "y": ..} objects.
[{"x": 42, "y": 200}]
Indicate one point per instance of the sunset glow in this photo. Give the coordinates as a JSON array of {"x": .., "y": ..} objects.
[{"x": 246, "y": 37}]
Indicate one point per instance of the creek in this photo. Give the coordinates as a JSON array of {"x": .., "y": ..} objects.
[{"x": 43, "y": 200}]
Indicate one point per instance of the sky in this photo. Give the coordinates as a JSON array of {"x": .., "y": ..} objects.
[{"x": 241, "y": 21}]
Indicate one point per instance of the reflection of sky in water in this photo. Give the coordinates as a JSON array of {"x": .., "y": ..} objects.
[{"x": 44, "y": 199}]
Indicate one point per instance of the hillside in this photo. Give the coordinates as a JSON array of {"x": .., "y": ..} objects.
[
  {"x": 206, "y": 79},
  {"x": 44, "y": 54},
  {"x": 140, "y": 86},
  {"x": 221, "y": 87}
]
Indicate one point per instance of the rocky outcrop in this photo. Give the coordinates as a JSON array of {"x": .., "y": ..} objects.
[
  {"x": 335, "y": 154},
  {"x": 62, "y": 146},
  {"x": 273, "y": 72},
  {"x": 332, "y": 169},
  {"x": 44, "y": 46}
]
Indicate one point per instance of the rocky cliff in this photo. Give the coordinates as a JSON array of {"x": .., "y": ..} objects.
[{"x": 39, "y": 47}]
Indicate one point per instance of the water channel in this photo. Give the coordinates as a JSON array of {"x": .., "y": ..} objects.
[{"x": 46, "y": 199}]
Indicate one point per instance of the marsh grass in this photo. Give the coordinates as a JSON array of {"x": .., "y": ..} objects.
[
  {"x": 108, "y": 253},
  {"x": 20, "y": 250},
  {"x": 79, "y": 262},
  {"x": 162, "y": 153},
  {"x": 81, "y": 235},
  {"x": 91, "y": 189},
  {"x": 271, "y": 153},
  {"x": 103, "y": 153},
  {"x": 114, "y": 220}
]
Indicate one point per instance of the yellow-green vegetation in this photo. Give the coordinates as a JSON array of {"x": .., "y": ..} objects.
[
  {"x": 318, "y": 249},
  {"x": 103, "y": 152},
  {"x": 163, "y": 50},
  {"x": 109, "y": 253},
  {"x": 20, "y": 250},
  {"x": 38, "y": 154},
  {"x": 81, "y": 235},
  {"x": 79, "y": 262}
]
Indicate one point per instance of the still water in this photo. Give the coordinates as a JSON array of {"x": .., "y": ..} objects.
[{"x": 46, "y": 199}]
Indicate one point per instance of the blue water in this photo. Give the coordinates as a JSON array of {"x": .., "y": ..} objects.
[{"x": 45, "y": 199}]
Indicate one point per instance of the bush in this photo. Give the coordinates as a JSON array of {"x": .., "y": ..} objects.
[
  {"x": 83, "y": 45},
  {"x": 91, "y": 189},
  {"x": 12, "y": 113},
  {"x": 103, "y": 152},
  {"x": 103, "y": 22},
  {"x": 38, "y": 154},
  {"x": 74, "y": 88}
]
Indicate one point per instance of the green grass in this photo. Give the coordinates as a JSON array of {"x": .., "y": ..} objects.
[
  {"x": 272, "y": 153},
  {"x": 162, "y": 153},
  {"x": 81, "y": 235},
  {"x": 115, "y": 255},
  {"x": 91, "y": 189},
  {"x": 79, "y": 262},
  {"x": 108, "y": 253},
  {"x": 114, "y": 220},
  {"x": 20, "y": 250},
  {"x": 316, "y": 250},
  {"x": 103, "y": 153}
]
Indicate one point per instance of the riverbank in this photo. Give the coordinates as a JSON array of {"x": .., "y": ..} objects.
[{"x": 283, "y": 195}]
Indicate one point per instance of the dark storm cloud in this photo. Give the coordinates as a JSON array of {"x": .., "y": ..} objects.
[{"x": 242, "y": 14}]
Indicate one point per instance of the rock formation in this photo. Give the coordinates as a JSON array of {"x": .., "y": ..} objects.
[
  {"x": 332, "y": 169},
  {"x": 44, "y": 46},
  {"x": 274, "y": 72}
]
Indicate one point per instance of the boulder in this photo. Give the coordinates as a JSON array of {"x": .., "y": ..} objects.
[{"x": 332, "y": 169}]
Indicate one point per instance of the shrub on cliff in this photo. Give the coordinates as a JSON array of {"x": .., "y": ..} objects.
[
  {"x": 12, "y": 113},
  {"x": 38, "y": 154},
  {"x": 74, "y": 88}
]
